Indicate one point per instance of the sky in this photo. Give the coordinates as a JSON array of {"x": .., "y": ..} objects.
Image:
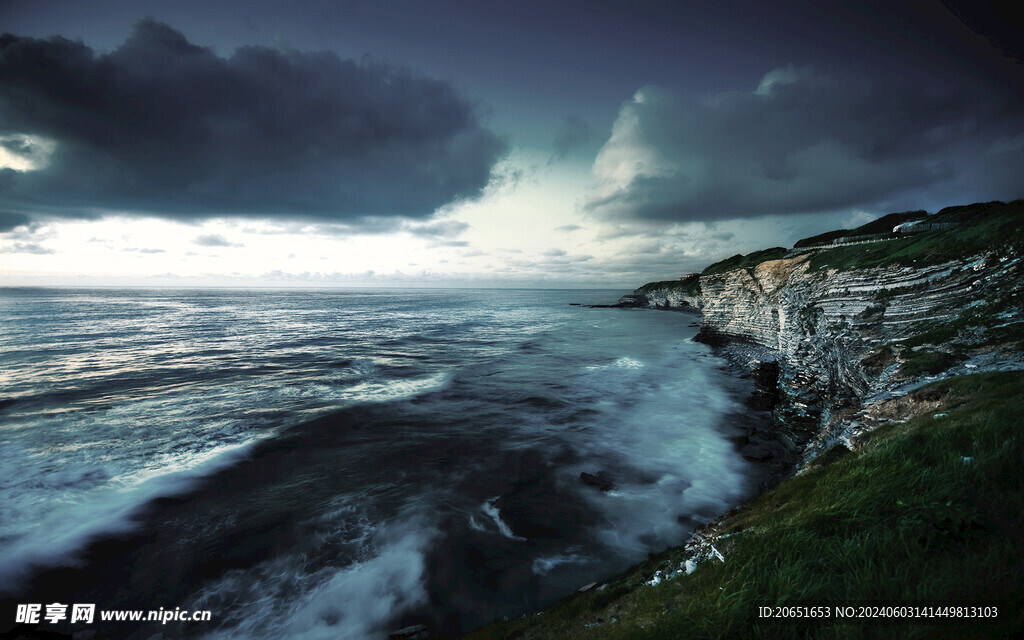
[{"x": 459, "y": 143}]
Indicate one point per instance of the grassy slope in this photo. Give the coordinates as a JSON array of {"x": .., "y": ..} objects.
[
  {"x": 884, "y": 224},
  {"x": 985, "y": 227},
  {"x": 689, "y": 286},
  {"x": 907, "y": 518},
  {"x": 748, "y": 261}
]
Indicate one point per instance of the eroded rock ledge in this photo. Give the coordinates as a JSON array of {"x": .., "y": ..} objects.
[{"x": 837, "y": 341}]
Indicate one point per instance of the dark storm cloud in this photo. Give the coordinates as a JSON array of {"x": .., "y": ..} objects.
[
  {"x": 999, "y": 24},
  {"x": 162, "y": 126},
  {"x": 807, "y": 142},
  {"x": 9, "y": 221}
]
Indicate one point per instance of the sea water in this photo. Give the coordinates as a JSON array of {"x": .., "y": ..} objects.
[{"x": 341, "y": 463}]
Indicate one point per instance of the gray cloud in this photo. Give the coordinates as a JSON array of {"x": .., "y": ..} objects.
[
  {"x": 554, "y": 252},
  {"x": 805, "y": 142},
  {"x": 647, "y": 247},
  {"x": 438, "y": 229},
  {"x": 9, "y": 221},
  {"x": 585, "y": 257},
  {"x": 368, "y": 225},
  {"x": 214, "y": 240},
  {"x": 566, "y": 228},
  {"x": 162, "y": 126},
  {"x": 573, "y": 134},
  {"x": 27, "y": 247}
]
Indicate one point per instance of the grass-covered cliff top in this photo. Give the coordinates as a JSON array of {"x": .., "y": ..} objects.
[
  {"x": 980, "y": 227},
  {"x": 929, "y": 511},
  {"x": 991, "y": 226},
  {"x": 884, "y": 224},
  {"x": 689, "y": 286},
  {"x": 748, "y": 261}
]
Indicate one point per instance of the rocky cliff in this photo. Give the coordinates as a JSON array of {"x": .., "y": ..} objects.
[{"x": 842, "y": 337}]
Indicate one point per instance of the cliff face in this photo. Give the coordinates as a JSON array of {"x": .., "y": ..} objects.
[
  {"x": 666, "y": 297},
  {"x": 840, "y": 337}
]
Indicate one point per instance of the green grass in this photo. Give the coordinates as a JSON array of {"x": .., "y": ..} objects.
[
  {"x": 821, "y": 238},
  {"x": 992, "y": 226},
  {"x": 689, "y": 286},
  {"x": 748, "y": 261},
  {"x": 926, "y": 363},
  {"x": 884, "y": 224},
  {"x": 928, "y": 510},
  {"x": 988, "y": 226}
]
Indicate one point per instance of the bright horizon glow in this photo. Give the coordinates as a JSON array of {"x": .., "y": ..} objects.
[
  {"x": 527, "y": 230},
  {"x": 616, "y": 156}
]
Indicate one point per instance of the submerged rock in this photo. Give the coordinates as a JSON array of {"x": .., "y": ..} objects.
[
  {"x": 414, "y": 632},
  {"x": 602, "y": 480}
]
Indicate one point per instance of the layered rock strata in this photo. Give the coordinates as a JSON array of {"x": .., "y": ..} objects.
[{"x": 837, "y": 335}]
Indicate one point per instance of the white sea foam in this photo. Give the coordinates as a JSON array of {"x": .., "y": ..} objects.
[
  {"x": 624, "y": 362},
  {"x": 392, "y": 390},
  {"x": 59, "y": 497},
  {"x": 282, "y": 598},
  {"x": 85, "y": 465},
  {"x": 494, "y": 514},
  {"x": 54, "y": 540},
  {"x": 544, "y": 565},
  {"x": 656, "y": 433}
]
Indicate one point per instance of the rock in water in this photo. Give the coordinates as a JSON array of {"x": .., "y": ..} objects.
[
  {"x": 414, "y": 632},
  {"x": 602, "y": 481},
  {"x": 632, "y": 300}
]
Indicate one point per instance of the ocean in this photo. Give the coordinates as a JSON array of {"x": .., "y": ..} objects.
[{"x": 342, "y": 463}]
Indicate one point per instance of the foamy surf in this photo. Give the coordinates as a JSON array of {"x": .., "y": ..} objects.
[
  {"x": 380, "y": 512},
  {"x": 393, "y": 390},
  {"x": 55, "y": 540},
  {"x": 543, "y": 565},
  {"x": 657, "y": 435},
  {"x": 104, "y": 489},
  {"x": 494, "y": 514},
  {"x": 284, "y": 598}
]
